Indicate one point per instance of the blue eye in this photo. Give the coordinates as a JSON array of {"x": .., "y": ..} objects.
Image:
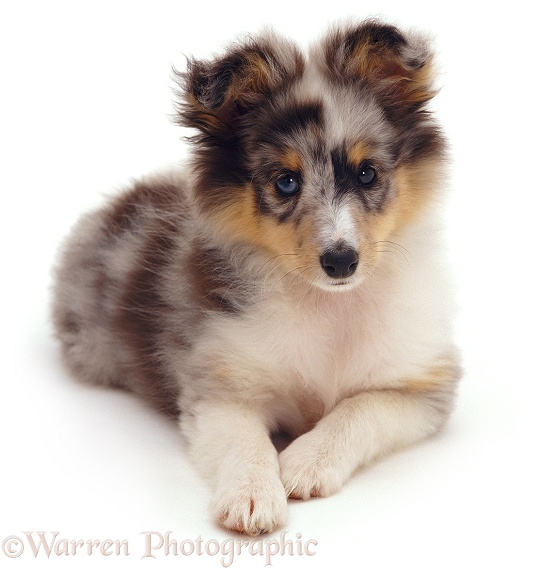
[
  {"x": 367, "y": 175},
  {"x": 287, "y": 185}
]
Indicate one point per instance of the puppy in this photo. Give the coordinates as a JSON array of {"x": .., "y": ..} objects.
[{"x": 290, "y": 280}]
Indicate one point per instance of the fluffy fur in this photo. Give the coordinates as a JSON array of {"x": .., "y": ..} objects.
[{"x": 292, "y": 279}]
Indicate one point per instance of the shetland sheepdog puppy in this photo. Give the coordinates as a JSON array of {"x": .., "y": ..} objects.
[{"x": 291, "y": 280}]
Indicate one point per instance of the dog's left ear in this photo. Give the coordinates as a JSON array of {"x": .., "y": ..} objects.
[
  {"x": 216, "y": 93},
  {"x": 398, "y": 67}
]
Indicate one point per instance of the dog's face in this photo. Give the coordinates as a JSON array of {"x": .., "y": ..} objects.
[{"x": 318, "y": 161}]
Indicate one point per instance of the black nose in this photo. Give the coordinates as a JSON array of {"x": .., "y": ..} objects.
[{"x": 340, "y": 263}]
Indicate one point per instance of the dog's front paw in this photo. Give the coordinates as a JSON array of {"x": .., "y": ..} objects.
[
  {"x": 308, "y": 470},
  {"x": 251, "y": 506}
]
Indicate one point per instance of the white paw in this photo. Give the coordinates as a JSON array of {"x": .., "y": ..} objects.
[
  {"x": 308, "y": 470},
  {"x": 252, "y": 505}
]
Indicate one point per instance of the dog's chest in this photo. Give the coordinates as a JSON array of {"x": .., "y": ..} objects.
[{"x": 322, "y": 348}]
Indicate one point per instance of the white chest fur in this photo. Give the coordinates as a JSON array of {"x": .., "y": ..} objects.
[{"x": 308, "y": 349}]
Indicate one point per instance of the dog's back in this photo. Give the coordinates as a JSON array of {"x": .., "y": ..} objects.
[{"x": 110, "y": 297}]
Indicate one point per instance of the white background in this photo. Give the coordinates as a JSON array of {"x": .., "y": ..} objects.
[{"x": 85, "y": 105}]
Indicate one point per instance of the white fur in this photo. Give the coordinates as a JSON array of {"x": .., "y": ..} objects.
[
  {"x": 340, "y": 227},
  {"x": 342, "y": 356}
]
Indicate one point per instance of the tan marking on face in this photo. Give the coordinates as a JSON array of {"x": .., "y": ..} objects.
[
  {"x": 291, "y": 246},
  {"x": 358, "y": 153},
  {"x": 379, "y": 227},
  {"x": 291, "y": 161},
  {"x": 415, "y": 188},
  {"x": 416, "y": 184},
  {"x": 238, "y": 219}
]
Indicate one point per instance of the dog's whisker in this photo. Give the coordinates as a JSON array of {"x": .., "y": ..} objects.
[
  {"x": 394, "y": 247},
  {"x": 276, "y": 264},
  {"x": 296, "y": 269}
]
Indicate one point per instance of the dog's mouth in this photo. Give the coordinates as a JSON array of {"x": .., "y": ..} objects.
[{"x": 339, "y": 285}]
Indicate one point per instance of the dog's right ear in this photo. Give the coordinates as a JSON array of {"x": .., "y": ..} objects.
[
  {"x": 216, "y": 93},
  {"x": 397, "y": 66}
]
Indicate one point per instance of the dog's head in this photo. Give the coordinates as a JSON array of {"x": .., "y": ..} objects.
[{"x": 315, "y": 160}]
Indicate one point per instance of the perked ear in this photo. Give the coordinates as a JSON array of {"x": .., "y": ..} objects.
[
  {"x": 216, "y": 92},
  {"x": 397, "y": 66}
]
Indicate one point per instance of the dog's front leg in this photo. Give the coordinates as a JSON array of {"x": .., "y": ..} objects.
[
  {"x": 355, "y": 432},
  {"x": 230, "y": 445}
]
